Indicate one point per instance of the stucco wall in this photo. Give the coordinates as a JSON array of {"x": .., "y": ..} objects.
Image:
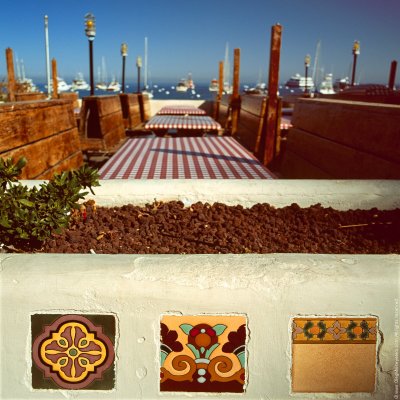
[{"x": 268, "y": 289}]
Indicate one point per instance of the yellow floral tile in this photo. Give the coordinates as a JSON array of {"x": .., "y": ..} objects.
[{"x": 73, "y": 351}]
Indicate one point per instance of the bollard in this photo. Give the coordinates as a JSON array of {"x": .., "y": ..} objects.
[
  {"x": 54, "y": 75},
  {"x": 10, "y": 75}
]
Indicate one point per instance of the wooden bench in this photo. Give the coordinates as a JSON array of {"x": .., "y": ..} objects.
[{"x": 42, "y": 131}]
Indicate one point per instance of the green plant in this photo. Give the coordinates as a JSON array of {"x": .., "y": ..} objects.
[{"x": 30, "y": 215}]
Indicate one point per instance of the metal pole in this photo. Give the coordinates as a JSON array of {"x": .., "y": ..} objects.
[
  {"x": 353, "y": 74},
  {"x": 138, "y": 79},
  {"x": 46, "y": 31},
  {"x": 392, "y": 76},
  {"x": 123, "y": 74},
  {"x": 356, "y": 52},
  {"x": 91, "y": 67}
]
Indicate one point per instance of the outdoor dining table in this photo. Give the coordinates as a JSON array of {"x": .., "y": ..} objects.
[
  {"x": 180, "y": 110},
  {"x": 212, "y": 157},
  {"x": 182, "y": 125}
]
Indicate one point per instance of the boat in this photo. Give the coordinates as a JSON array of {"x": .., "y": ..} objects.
[
  {"x": 62, "y": 86},
  {"x": 79, "y": 83},
  {"x": 213, "y": 86},
  {"x": 26, "y": 83},
  {"x": 114, "y": 86},
  {"x": 341, "y": 84},
  {"x": 101, "y": 86},
  {"x": 298, "y": 81},
  {"x": 326, "y": 86},
  {"x": 182, "y": 86}
]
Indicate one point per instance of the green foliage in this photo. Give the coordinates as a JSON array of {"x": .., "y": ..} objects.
[{"x": 29, "y": 216}]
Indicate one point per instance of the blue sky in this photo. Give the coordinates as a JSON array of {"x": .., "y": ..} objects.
[{"x": 190, "y": 36}]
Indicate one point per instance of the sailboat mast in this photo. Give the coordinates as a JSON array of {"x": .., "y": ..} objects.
[
  {"x": 226, "y": 64},
  {"x": 315, "y": 69},
  {"x": 145, "y": 63}
]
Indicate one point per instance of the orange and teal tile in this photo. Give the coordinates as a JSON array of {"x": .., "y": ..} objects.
[{"x": 203, "y": 353}]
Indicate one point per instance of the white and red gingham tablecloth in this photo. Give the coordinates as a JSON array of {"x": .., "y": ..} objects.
[
  {"x": 180, "y": 110},
  {"x": 192, "y": 122},
  {"x": 219, "y": 157}
]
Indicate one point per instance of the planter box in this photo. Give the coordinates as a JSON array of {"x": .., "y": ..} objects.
[{"x": 132, "y": 296}]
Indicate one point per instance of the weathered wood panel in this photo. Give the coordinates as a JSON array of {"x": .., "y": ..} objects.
[
  {"x": 22, "y": 123},
  {"x": 145, "y": 108},
  {"x": 130, "y": 110},
  {"x": 47, "y": 153},
  {"x": 101, "y": 118},
  {"x": 44, "y": 132},
  {"x": 30, "y": 96},
  {"x": 72, "y": 162},
  {"x": 293, "y": 166},
  {"x": 71, "y": 96},
  {"x": 373, "y": 128},
  {"x": 337, "y": 160}
]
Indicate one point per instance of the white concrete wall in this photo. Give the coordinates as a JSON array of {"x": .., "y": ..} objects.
[{"x": 268, "y": 289}]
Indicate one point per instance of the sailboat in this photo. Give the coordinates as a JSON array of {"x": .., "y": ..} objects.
[
  {"x": 102, "y": 76},
  {"x": 114, "y": 85},
  {"x": 146, "y": 86}
]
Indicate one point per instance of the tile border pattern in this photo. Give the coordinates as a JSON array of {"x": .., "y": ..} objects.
[{"x": 334, "y": 330}]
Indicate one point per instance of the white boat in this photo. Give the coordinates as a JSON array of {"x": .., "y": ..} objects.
[
  {"x": 114, "y": 86},
  {"x": 101, "y": 86},
  {"x": 213, "y": 86},
  {"x": 326, "y": 86},
  {"x": 298, "y": 81},
  {"x": 62, "y": 86},
  {"x": 79, "y": 83},
  {"x": 182, "y": 86}
]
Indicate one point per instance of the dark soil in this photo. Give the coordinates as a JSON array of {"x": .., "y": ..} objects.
[{"x": 204, "y": 228}]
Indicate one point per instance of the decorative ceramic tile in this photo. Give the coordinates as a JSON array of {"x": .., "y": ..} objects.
[
  {"x": 320, "y": 362},
  {"x": 203, "y": 353},
  {"x": 334, "y": 330},
  {"x": 73, "y": 351}
]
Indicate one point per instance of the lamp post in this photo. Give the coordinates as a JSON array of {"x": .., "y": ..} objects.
[
  {"x": 356, "y": 52},
  {"x": 90, "y": 30},
  {"x": 138, "y": 65},
  {"x": 307, "y": 61},
  {"x": 124, "y": 53}
]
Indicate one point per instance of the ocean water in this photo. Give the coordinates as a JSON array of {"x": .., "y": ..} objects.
[{"x": 165, "y": 91}]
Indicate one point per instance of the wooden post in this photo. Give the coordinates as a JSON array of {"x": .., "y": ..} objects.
[
  {"x": 54, "y": 75},
  {"x": 272, "y": 106},
  {"x": 220, "y": 90},
  {"x": 235, "y": 100},
  {"x": 10, "y": 74}
]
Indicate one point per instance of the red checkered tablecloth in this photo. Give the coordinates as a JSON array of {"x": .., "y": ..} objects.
[
  {"x": 180, "y": 110},
  {"x": 183, "y": 158},
  {"x": 182, "y": 122}
]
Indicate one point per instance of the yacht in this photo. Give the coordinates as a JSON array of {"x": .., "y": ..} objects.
[
  {"x": 298, "y": 81},
  {"x": 326, "y": 86},
  {"x": 182, "y": 86},
  {"x": 114, "y": 86},
  {"x": 79, "y": 83},
  {"x": 213, "y": 86},
  {"x": 62, "y": 86}
]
